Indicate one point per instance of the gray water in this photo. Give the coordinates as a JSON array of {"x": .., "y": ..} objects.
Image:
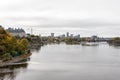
[{"x": 71, "y": 62}]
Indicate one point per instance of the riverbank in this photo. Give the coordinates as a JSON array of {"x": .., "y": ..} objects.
[{"x": 22, "y": 57}]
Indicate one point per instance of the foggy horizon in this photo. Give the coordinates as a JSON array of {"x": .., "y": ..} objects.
[{"x": 87, "y": 18}]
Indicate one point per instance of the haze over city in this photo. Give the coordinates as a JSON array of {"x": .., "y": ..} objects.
[
  {"x": 60, "y": 40},
  {"x": 85, "y": 17}
]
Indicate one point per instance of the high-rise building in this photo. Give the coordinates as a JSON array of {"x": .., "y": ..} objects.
[
  {"x": 67, "y": 34},
  {"x": 71, "y": 35},
  {"x": 78, "y": 36},
  {"x": 63, "y": 36},
  {"x": 52, "y": 34}
]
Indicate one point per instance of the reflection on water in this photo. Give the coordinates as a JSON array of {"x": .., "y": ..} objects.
[
  {"x": 10, "y": 72},
  {"x": 117, "y": 47},
  {"x": 37, "y": 49},
  {"x": 74, "y": 62},
  {"x": 68, "y": 62}
]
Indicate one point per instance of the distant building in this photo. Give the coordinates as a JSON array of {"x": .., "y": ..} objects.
[
  {"x": 52, "y": 35},
  {"x": 94, "y": 37},
  {"x": 1, "y": 27},
  {"x": 62, "y": 36},
  {"x": 71, "y": 35},
  {"x": 67, "y": 34},
  {"x": 77, "y": 37},
  {"x": 17, "y": 32},
  {"x": 28, "y": 35}
]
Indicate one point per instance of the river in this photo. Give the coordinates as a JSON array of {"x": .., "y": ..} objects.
[{"x": 70, "y": 62}]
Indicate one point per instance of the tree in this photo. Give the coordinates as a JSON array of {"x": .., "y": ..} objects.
[
  {"x": 24, "y": 42},
  {"x": 11, "y": 46}
]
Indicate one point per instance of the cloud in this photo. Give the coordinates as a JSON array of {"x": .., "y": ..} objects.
[
  {"x": 48, "y": 22},
  {"x": 77, "y": 16}
]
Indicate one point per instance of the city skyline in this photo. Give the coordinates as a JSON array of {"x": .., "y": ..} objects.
[{"x": 88, "y": 17}]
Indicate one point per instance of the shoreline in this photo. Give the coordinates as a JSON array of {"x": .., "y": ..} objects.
[{"x": 15, "y": 60}]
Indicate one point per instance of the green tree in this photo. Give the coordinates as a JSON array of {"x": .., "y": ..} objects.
[
  {"x": 24, "y": 42},
  {"x": 11, "y": 46}
]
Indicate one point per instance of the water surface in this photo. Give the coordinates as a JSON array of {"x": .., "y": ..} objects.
[{"x": 72, "y": 62}]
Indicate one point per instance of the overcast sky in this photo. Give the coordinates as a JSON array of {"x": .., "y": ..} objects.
[{"x": 85, "y": 17}]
